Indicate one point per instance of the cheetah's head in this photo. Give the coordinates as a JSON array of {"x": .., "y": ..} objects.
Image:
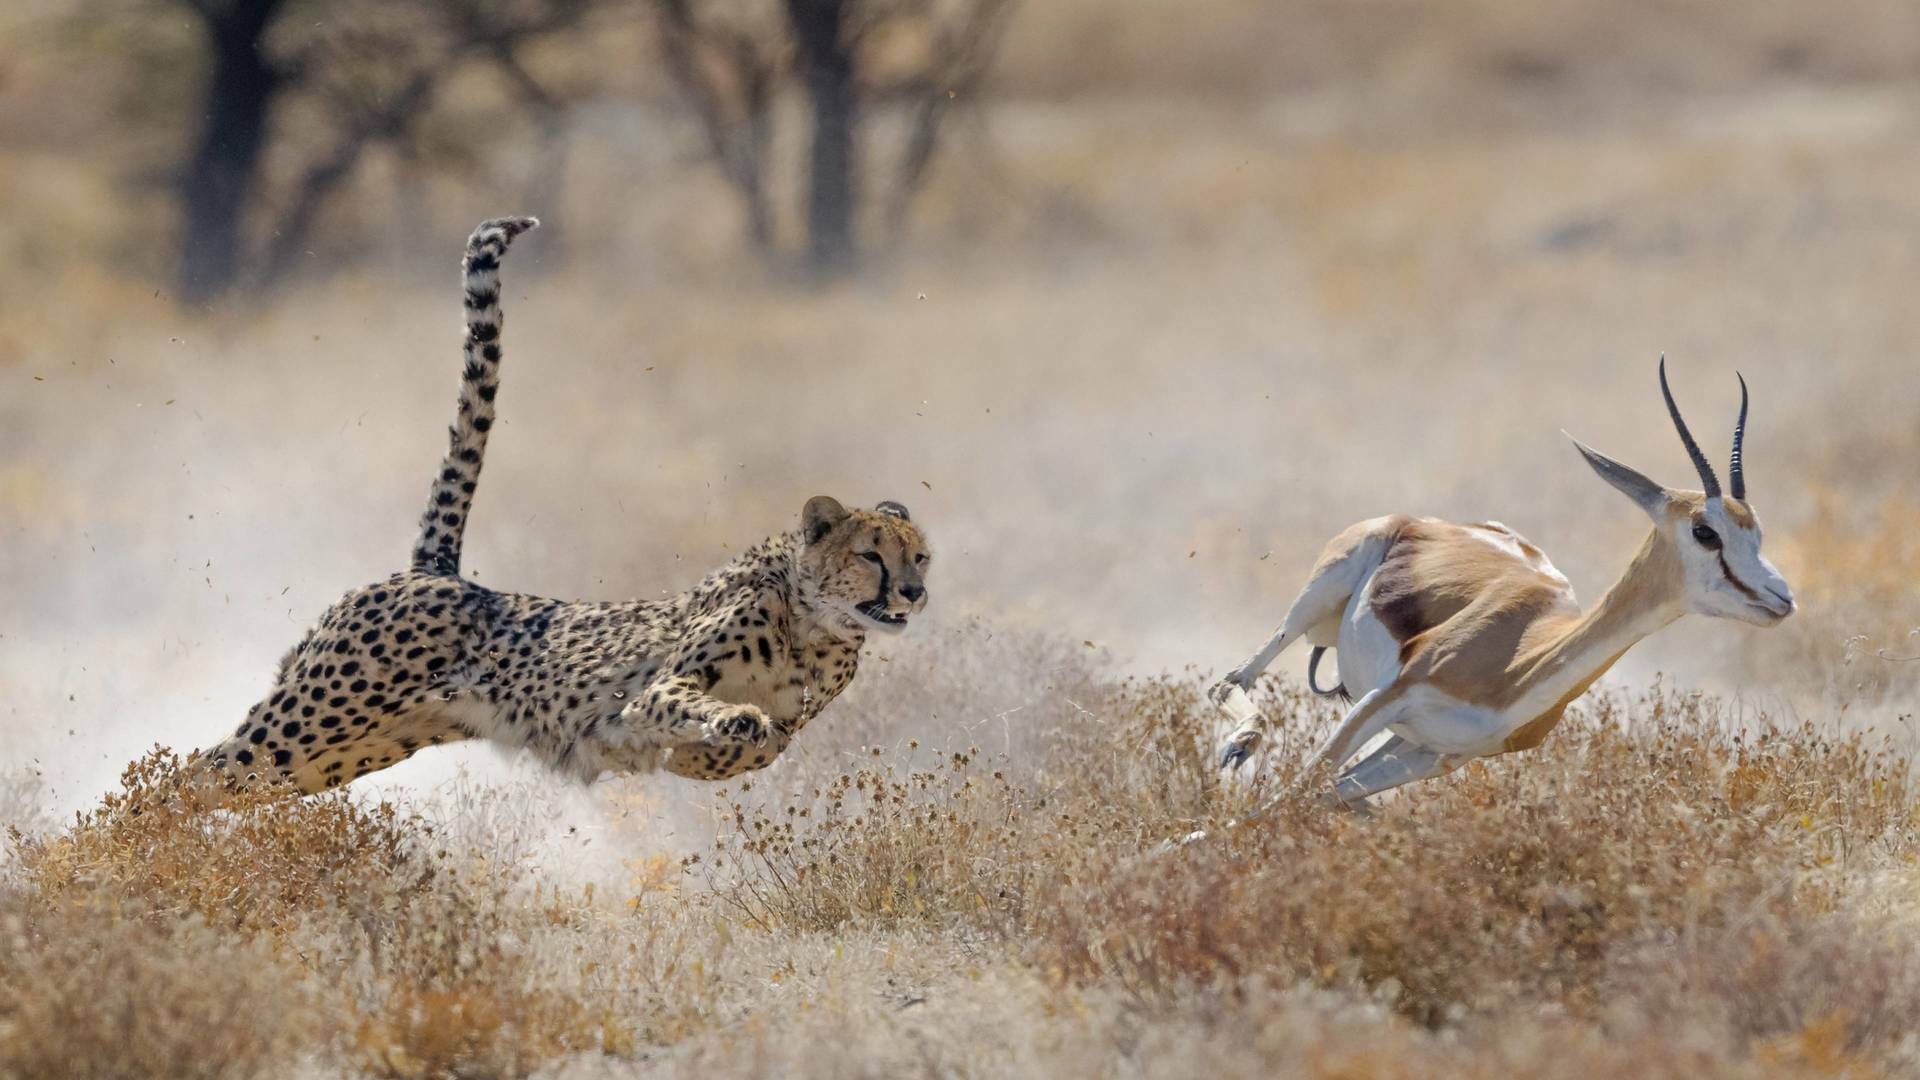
[{"x": 867, "y": 567}]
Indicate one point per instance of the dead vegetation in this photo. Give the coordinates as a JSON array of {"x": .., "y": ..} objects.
[{"x": 1668, "y": 888}]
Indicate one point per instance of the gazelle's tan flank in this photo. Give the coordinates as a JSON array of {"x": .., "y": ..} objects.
[{"x": 1463, "y": 641}]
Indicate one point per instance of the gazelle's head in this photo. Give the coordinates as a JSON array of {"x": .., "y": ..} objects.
[{"x": 1715, "y": 536}]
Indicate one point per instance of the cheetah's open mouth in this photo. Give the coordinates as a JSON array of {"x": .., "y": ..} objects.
[{"x": 877, "y": 613}]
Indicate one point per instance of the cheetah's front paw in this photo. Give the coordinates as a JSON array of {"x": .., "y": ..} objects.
[{"x": 740, "y": 723}]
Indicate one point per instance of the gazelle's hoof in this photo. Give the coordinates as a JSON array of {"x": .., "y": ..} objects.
[
  {"x": 1357, "y": 806},
  {"x": 1239, "y": 748}
]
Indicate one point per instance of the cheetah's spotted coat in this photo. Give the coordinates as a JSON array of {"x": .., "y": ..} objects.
[{"x": 708, "y": 684}]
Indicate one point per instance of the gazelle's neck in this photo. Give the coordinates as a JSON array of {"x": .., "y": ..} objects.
[{"x": 1644, "y": 600}]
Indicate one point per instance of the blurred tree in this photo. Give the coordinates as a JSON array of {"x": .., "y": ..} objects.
[
  {"x": 326, "y": 82},
  {"x": 240, "y": 88},
  {"x": 731, "y": 57}
]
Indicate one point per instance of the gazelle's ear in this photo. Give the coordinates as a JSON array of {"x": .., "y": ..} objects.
[
  {"x": 821, "y": 514},
  {"x": 1647, "y": 495}
]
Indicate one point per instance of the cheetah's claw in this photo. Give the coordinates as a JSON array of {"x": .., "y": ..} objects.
[{"x": 745, "y": 723}]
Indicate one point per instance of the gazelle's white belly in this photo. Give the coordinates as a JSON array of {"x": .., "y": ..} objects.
[
  {"x": 1428, "y": 717},
  {"x": 1368, "y": 653}
]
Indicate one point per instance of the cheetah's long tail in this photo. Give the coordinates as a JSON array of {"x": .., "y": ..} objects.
[{"x": 441, "y": 527}]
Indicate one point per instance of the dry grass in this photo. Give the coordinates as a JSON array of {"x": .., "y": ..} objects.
[
  {"x": 1668, "y": 896},
  {"x": 271, "y": 929},
  {"x": 1511, "y": 887}
]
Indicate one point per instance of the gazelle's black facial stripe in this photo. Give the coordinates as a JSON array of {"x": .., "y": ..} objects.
[{"x": 1735, "y": 581}]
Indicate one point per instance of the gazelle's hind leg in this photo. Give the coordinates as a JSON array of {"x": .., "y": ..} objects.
[
  {"x": 1395, "y": 763},
  {"x": 1343, "y": 568},
  {"x": 1369, "y": 717}
]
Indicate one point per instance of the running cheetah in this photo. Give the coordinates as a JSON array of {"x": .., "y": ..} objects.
[{"x": 707, "y": 684}]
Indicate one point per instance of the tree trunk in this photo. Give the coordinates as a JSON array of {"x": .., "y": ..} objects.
[
  {"x": 827, "y": 59},
  {"x": 226, "y": 162},
  {"x": 753, "y": 184}
]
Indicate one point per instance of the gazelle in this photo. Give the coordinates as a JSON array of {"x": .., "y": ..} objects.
[{"x": 1465, "y": 642}]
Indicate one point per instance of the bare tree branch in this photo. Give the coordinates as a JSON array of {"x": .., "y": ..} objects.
[
  {"x": 730, "y": 73},
  {"x": 474, "y": 29},
  {"x": 737, "y": 132},
  {"x": 327, "y": 174},
  {"x": 968, "y": 49}
]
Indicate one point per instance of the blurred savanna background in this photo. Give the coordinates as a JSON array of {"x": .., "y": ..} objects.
[{"x": 1134, "y": 303}]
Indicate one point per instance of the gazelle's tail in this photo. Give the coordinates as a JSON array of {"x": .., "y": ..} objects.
[{"x": 1338, "y": 690}]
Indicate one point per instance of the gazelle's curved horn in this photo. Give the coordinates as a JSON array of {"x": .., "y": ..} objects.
[
  {"x": 1736, "y": 477},
  {"x": 1707, "y": 480}
]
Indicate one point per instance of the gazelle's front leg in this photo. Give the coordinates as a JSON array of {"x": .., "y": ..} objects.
[
  {"x": 1229, "y": 695},
  {"x": 1342, "y": 568}
]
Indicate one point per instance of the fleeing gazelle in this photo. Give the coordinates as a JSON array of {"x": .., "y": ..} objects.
[{"x": 1463, "y": 641}]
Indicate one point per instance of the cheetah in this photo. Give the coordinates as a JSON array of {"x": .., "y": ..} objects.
[{"x": 707, "y": 684}]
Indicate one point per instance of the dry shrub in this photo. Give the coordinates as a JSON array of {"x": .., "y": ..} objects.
[
  {"x": 1655, "y": 892},
  {"x": 957, "y": 836},
  {"x": 411, "y": 959},
  {"x": 1838, "y": 994},
  {"x": 932, "y": 834},
  {"x": 460, "y": 981},
  {"x": 258, "y": 862},
  {"x": 1007, "y": 1023},
  {"x": 1507, "y": 885},
  {"x": 879, "y": 846},
  {"x": 1245, "y": 1029},
  {"x": 96, "y": 993},
  {"x": 1512, "y": 886}
]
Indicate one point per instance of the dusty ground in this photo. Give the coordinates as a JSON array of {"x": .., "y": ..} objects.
[{"x": 1130, "y": 370}]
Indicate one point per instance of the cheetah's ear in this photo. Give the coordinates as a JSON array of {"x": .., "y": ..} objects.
[
  {"x": 895, "y": 509},
  {"x": 822, "y": 513}
]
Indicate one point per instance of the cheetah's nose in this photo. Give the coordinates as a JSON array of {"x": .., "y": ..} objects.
[{"x": 913, "y": 593}]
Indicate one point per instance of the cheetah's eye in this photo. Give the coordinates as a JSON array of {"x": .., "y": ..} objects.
[
  {"x": 1707, "y": 538},
  {"x": 872, "y": 557},
  {"x": 919, "y": 560}
]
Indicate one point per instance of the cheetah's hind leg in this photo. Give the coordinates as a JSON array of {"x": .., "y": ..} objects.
[{"x": 325, "y": 749}]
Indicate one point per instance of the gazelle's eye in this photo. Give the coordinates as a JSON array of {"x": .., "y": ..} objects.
[
  {"x": 1704, "y": 533},
  {"x": 872, "y": 557}
]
